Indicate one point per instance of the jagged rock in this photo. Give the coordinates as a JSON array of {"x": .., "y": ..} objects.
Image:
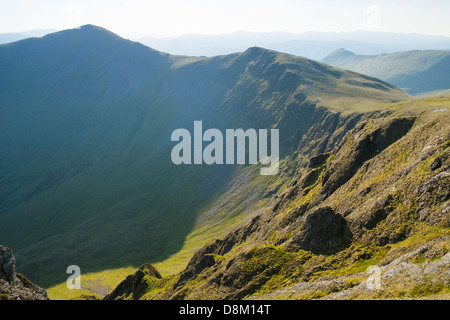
[
  {"x": 134, "y": 286},
  {"x": 322, "y": 231},
  {"x": 7, "y": 265},
  {"x": 431, "y": 193},
  {"x": 15, "y": 286}
]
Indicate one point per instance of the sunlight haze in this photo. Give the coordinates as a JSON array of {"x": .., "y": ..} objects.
[{"x": 176, "y": 17}]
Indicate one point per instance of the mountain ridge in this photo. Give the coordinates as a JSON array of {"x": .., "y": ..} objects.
[
  {"x": 313, "y": 45},
  {"x": 85, "y": 127}
]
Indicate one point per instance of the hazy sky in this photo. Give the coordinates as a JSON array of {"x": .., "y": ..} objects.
[{"x": 175, "y": 17}]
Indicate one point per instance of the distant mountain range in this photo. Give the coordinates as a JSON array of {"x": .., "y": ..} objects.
[
  {"x": 313, "y": 45},
  {"x": 85, "y": 124},
  {"x": 11, "y": 37},
  {"x": 416, "y": 71}
]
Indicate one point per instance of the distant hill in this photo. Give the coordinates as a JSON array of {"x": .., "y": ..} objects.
[
  {"x": 85, "y": 124},
  {"x": 415, "y": 71},
  {"x": 435, "y": 93}
]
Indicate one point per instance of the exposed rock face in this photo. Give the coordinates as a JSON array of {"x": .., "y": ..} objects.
[
  {"x": 15, "y": 286},
  {"x": 134, "y": 286},
  {"x": 360, "y": 145},
  {"x": 435, "y": 192}
]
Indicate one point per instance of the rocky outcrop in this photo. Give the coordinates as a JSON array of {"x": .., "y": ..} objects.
[
  {"x": 15, "y": 286},
  {"x": 7, "y": 265},
  {"x": 322, "y": 232},
  {"x": 136, "y": 285},
  {"x": 435, "y": 192}
]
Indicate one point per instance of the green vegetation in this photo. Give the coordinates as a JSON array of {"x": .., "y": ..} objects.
[
  {"x": 98, "y": 284},
  {"x": 4, "y": 296},
  {"x": 428, "y": 288}
]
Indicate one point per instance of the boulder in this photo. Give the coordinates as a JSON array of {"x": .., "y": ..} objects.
[
  {"x": 7, "y": 265},
  {"x": 322, "y": 232}
]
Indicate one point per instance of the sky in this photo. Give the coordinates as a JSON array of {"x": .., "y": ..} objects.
[{"x": 168, "y": 18}]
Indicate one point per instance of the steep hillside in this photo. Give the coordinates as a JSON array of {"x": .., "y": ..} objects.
[
  {"x": 379, "y": 198},
  {"x": 85, "y": 124},
  {"x": 415, "y": 71}
]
